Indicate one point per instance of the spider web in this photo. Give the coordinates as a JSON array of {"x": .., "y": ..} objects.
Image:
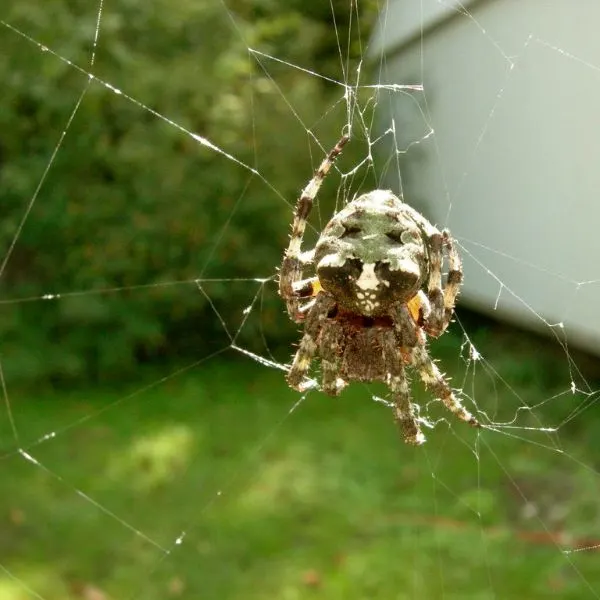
[{"x": 474, "y": 507}]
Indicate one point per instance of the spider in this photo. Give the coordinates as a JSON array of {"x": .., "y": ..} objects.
[{"x": 376, "y": 296}]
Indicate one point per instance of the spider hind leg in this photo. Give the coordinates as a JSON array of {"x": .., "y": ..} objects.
[
  {"x": 331, "y": 344},
  {"x": 435, "y": 381},
  {"x": 309, "y": 343},
  {"x": 301, "y": 363},
  {"x": 404, "y": 411}
]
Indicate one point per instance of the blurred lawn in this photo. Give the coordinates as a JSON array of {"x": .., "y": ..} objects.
[{"x": 323, "y": 502}]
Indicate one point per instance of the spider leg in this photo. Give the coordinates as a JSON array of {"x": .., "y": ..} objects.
[
  {"x": 397, "y": 347},
  {"x": 435, "y": 381},
  {"x": 330, "y": 345},
  {"x": 301, "y": 363},
  {"x": 454, "y": 279},
  {"x": 435, "y": 322},
  {"x": 404, "y": 412},
  {"x": 308, "y": 343},
  {"x": 442, "y": 300},
  {"x": 294, "y": 261}
]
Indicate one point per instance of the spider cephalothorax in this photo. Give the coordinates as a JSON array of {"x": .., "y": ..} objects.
[{"x": 376, "y": 296}]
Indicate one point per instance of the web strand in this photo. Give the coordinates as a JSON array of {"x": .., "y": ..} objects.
[{"x": 306, "y": 452}]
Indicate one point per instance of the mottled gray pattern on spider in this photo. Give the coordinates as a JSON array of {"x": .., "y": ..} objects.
[{"x": 376, "y": 296}]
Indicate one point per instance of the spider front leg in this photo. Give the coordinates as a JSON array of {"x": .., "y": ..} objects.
[
  {"x": 294, "y": 261},
  {"x": 454, "y": 279},
  {"x": 308, "y": 344},
  {"x": 434, "y": 325},
  {"x": 442, "y": 300}
]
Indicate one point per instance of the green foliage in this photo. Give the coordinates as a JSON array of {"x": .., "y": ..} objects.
[
  {"x": 133, "y": 200},
  {"x": 325, "y": 500}
]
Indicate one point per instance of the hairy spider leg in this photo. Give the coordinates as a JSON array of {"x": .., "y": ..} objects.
[
  {"x": 330, "y": 346},
  {"x": 395, "y": 347},
  {"x": 435, "y": 381},
  {"x": 399, "y": 350},
  {"x": 301, "y": 362},
  {"x": 404, "y": 411},
  {"x": 435, "y": 294},
  {"x": 308, "y": 343},
  {"x": 454, "y": 279},
  {"x": 442, "y": 299},
  {"x": 293, "y": 263}
]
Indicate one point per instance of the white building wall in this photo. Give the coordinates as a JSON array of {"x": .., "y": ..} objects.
[{"x": 513, "y": 95}]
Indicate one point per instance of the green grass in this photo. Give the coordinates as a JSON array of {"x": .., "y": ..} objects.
[{"x": 324, "y": 502}]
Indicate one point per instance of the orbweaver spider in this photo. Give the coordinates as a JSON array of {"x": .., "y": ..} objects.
[{"x": 376, "y": 296}]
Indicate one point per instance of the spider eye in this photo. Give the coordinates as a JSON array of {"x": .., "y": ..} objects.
[{"x": 350, "y": 231}]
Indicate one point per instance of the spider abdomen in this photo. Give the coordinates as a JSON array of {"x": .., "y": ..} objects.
[{"x": 372, "y": 254}]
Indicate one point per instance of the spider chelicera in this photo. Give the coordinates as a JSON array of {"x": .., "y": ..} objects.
[{"x": 376, "y": 296}]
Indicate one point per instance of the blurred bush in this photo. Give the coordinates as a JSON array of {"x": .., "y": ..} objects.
[{"x": 131, "y": 200}]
